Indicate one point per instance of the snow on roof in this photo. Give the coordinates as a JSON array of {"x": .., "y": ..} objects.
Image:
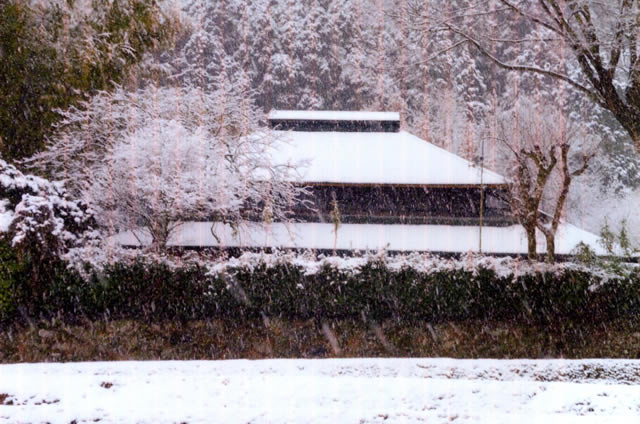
[
  {"x": 375, "y": 158},
  {"x": 332, "y": 115},
  {"x": 402, "y": 238}
]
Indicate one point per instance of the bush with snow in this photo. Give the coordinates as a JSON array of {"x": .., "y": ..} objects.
[
  {"x": 38, "y": 214},
  {"x": 376, "y": 287},
  {"x": 39, "y": 224}
]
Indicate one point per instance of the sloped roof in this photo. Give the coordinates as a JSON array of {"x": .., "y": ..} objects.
[
  {"x": 427, "y": 238},
  {"x": 331, "y": 115},
  {"x": 375, "y": 158}
]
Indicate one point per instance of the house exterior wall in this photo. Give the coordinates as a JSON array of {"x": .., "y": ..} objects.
[{"x": 388, "y": 204}]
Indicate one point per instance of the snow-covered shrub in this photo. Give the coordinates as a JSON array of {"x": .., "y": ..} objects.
[
  {"x": 584, "y": 254},
  {"x": 39, "y": 224},
  {"x": 40, "y": 214},
  {"x": 11, "y": 270},
  {"x": 619, "y": 250},
  {"x": 375, "y": 287}
]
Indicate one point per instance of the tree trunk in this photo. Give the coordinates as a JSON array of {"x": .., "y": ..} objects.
[
  {"x": 159, "y": 235},
  {"x": 531, "y": 241},
  {"x": 551, "y": 248}
]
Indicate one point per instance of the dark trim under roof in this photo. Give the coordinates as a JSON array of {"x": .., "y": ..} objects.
[
  {"x": 339, "y": 184},
  {"x": 333, "y": 125}
]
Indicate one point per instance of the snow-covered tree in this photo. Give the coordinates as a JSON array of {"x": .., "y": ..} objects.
[
  {"x": 153, "y": 158},
  {"x": 546, "y": 152},
  {"x": 588, "y": 46}
]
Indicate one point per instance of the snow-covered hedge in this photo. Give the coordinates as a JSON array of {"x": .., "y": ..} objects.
[
  {"x": 423, "y": 287},
  {"x": 424, "y": 263},
  {"x": 375, "y": 287}
]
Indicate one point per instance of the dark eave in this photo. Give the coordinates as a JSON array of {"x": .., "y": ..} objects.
[
  {"x": 336, "y": 184},
  {"x": 334, "y": 125}
]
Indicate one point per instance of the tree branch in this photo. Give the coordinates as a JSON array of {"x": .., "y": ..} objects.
[
  {"x": 513, "y": 67},
  {"x": 530, "y": 17}
]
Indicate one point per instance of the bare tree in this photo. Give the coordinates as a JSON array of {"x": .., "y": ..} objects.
[
  {"x": 152, "y": 159},
  {"x": 601, "y": 38},
  {"x": 546, "y": 154}
]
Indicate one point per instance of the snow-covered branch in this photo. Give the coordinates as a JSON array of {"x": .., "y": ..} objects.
[{"x": 156, "y": 157}]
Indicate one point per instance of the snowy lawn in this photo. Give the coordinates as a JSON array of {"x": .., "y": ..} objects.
[{"x": 324, "y": 391}]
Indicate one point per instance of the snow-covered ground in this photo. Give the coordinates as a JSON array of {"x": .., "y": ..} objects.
[{"x": 323, "y": 391}]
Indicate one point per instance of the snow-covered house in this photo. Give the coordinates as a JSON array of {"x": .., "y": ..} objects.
[
  {"x": 390, "y": 189},
  {"x": 361, "y": 163}
]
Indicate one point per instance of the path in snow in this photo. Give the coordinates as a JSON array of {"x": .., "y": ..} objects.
[{"x": 323, "y": 391}]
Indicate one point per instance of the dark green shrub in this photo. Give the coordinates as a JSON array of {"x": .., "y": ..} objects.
[
  {"x": 10, "y": 271},
  {"x": 158, "y": 292}
]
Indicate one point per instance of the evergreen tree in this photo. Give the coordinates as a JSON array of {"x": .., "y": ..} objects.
[{"x": 53, "y": 55}]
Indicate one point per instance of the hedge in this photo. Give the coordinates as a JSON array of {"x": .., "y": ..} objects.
[{"x": 374, "y": 291}]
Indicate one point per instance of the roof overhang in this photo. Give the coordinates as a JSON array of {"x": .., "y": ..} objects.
[
  {"x": 331, "y": 115},
  {"x": 338, "y": 184}
]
